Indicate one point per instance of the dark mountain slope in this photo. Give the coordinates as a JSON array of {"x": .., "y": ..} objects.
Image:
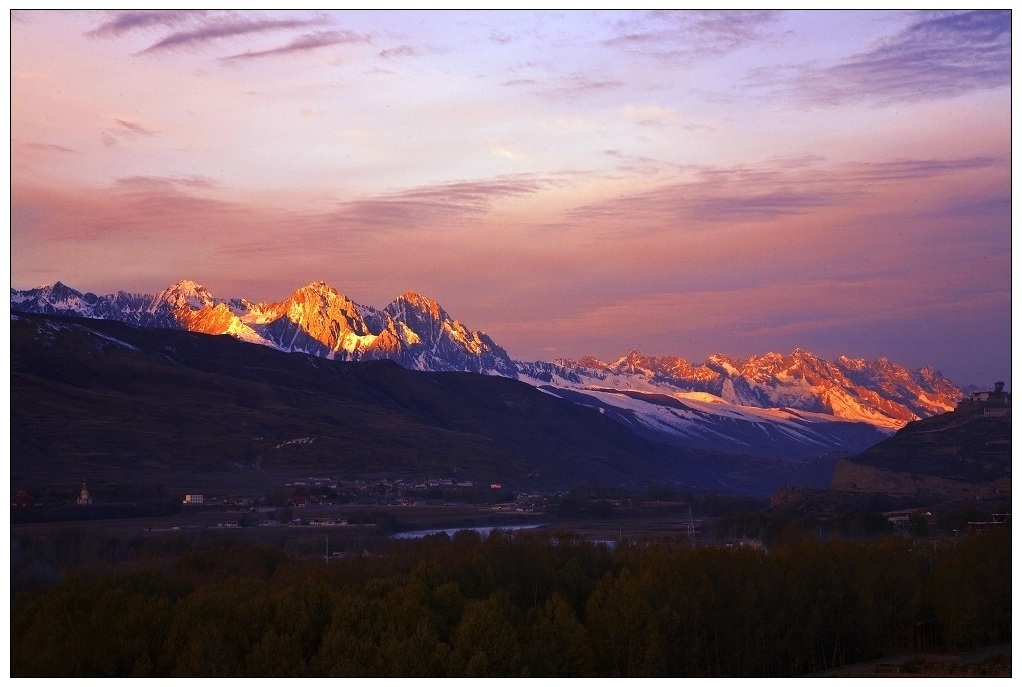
[
  {"x": 966, "y": 452},
  {"x": 104, "y": 401}
]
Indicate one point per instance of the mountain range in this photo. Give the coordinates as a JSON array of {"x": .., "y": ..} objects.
[
  {"x": 413, "y": 331},
  {"x": 792, "y": 407}
]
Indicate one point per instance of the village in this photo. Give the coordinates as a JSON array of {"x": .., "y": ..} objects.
[{"x": 322, "y": 501}]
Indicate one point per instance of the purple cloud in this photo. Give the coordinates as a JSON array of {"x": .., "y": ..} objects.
[
  {"x": 429, "y": 205},
  {"x": 228, "y": 27},
  {"x": 309, "y": 41},
  {"x": 520, "y": 82},
  {"x": 134, "y": 127},
  {"x": 641, "y": 165},
  {"x": 50, "y": 147},
  {"x": 127, "y": 130},
  {"x": 687, "y": 35},
  {"x": 124, "y": 22},
  {"x": 756, "y": 193},
  {"x": 917, "y": 169},
  {"x": 972, "y": 207},
  {"x": 152, "y": 183},
  {"x": 578, "y": 85},
  {"x": 940, "y": 56},
  {"x": 400, "y": 51}
]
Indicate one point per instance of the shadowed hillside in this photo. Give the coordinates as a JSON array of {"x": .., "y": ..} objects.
[
  {"x": 108, "y": 402},
  {"x": 962, "y": 453}
]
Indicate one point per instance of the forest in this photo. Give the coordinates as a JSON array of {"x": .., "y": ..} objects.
[{"x": 509, "y": 604}]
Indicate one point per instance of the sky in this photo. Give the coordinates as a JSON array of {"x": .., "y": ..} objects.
[{"x": 571, "y": 183}]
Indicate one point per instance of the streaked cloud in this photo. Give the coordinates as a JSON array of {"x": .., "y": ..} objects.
[
  {"x": 686, "y": 35},
  {"x": 50, "y": 147},
  {"x": 124, "y": 130},
  {"x": 577, "y": 85},
  {"x": 941, "y": 55},
  {"x": 125, "y": 22},
  {"x": 895, "y": 170},
  {"x": 229, "y": 26},
  {"x": 165, "y": 209},
  {"x": 429, "y": 206},
  {"x": 183, "y": 202},
  {"x": 133, "y": 127},
  {"x": 304, "y": 43},
  {"x": 520, "y": 82},
  {"x": 759, "y": 192},
  {"x": 150, "y": 183},
  {"x": 641, "y": 165},
  {"x": 400, "y": 51}
]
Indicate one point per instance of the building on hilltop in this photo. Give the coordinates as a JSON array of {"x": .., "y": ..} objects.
[{"x": 996, "y": 403}]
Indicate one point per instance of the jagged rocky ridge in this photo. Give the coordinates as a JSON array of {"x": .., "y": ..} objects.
[
  {"x": 878, "y": 392},
  {"x": 795, "y": 406},
  {"x": 414, "y": 331}
]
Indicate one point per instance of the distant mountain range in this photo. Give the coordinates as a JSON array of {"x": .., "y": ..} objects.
[
  {"x": 413, "y": 331},
  {"x": 793, "y": 407}
]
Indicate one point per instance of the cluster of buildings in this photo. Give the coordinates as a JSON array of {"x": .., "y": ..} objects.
[
  {"x": 996, "y": 403},
  {"x": 312, "y": 491}
]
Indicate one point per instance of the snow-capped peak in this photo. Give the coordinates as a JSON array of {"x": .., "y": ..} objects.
[
  {"x": 423, "y": 304},
  {"x": 319, "y": 287},
  {"x": 185, "y": 293}
]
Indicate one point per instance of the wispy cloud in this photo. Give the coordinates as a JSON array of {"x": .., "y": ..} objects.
[
  {"x": 640, "y": 165},
  {"x": 430, "y": 205},
  {"x": 178, "y": 203},
  {"x": 229, "y": 26},
  {"x": 938, "y": 56},
  {"x": 520, "y": 82},
  {"x": 474, "y": 196},
  {"x": 304, "y": 43},
  {"x": 681, "y": 36},
  {"x": 766, "y": 191},
  {"x": 132, "y": 208},
  {"x": 400, "y": 51},
  {"x": 718, "y": 195},
  {"x": 896, "y": 170},
  {"x": 124, "y": 22},
  {"x": 134, "y": 127},
  {"x": 124, "y": 130},
  {"x": 164, "y": 183},
  {"x": 50, "y": 147},
  {"x": 501, "y": 38},
  {"x": 577, "y": 85}
]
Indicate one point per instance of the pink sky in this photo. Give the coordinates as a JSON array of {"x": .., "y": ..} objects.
[{"x": 571, "y": 183}]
